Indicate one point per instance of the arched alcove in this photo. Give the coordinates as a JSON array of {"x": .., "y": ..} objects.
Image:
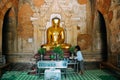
[
  {"x": 5, "y": 35},
  {"x": 8, "y": 33},
  {"x": 103, "y": 36},
  {"x": 5, "y": 30}
]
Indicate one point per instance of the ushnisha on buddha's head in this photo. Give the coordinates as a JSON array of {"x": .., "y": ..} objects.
[{"x": 56, "y": 21}]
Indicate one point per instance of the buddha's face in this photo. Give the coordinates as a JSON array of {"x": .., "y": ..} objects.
[{"x": 56, "y": 22}]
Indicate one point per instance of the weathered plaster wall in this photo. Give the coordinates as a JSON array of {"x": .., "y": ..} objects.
[
  {"x": 77, "y": 23},
  {"x": 33, "y": 17},
  {"x": 25, "y": 28},
  {"x": 5, "y": 5},
  {"x": 110, "y": 10},
  {"x": 82, "y": 1}
]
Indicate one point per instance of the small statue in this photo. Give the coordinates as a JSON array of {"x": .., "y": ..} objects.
[{"x": 55, "y": 36}]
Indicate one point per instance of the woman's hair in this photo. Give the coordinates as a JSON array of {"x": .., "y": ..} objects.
[{"x": 78, "y": 48}]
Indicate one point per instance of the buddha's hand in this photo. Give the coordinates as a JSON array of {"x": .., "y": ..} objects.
[{"x": 55, "y": 43}]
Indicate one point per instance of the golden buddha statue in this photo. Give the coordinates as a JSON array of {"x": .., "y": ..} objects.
[{"x": 55, "y": 36}]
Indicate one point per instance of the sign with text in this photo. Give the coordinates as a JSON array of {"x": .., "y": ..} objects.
[{"x": 52, "y": 64}]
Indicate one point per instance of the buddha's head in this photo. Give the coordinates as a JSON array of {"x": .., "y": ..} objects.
[{"x": 56, "y": 21}]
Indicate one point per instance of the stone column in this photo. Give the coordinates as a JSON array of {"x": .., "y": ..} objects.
[
  {"x": 43, "y": 38},
  {"x": 1, "y": 37},
  {"x": 20, "y": 46},
  {"x": 0, "y": 42},
  {"x": 35, "y": 38}
]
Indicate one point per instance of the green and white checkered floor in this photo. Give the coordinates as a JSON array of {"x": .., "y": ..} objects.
[{"x": 88, "y": 75}]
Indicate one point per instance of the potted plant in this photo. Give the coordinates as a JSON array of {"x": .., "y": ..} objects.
[
  {"x": 41, "y": 51},
  {"x": 52, "y": 56},
  {"x": 57, "y": 50},
  {"x": 72, "y": 49}
]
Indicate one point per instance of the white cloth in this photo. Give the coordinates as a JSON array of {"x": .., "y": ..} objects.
[{"x": 79, "y": 56}]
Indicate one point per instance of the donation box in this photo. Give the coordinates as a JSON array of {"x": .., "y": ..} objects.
[{"x": 52, "y": 74}]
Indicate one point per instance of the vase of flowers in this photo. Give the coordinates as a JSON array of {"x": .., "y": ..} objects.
[
  {"x": 57, "y": 50},
  {"x": 72, "y": 49},
  {"x": 42, "y": 52}
]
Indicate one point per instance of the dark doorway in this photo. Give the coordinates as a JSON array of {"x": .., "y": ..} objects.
[
  {"x": 5, "y": 36},
  {"x": 103, "y": 36}
]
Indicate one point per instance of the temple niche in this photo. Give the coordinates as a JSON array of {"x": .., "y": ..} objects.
[{"x": 71, "y": 13}]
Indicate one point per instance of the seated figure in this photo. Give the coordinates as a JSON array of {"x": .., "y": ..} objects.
[{"x": 55, "y": 36}]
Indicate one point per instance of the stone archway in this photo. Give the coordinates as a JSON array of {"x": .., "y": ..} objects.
[
  {"x": 103, "y": 6},
  {"x": 100, "y": 36},
  {"x": 103, "y": 36},
  {"x": 4, "y": 9}
]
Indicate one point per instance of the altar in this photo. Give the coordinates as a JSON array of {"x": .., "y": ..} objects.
[
  {"x": 52, "y": 66},
  {"x": 48, "y": 53},
  {"x": 55, "y": 67},
  {"x": 56, "y": 51}
]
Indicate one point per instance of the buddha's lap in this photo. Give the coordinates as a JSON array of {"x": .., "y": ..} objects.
[{"x": 64, "y": 45}]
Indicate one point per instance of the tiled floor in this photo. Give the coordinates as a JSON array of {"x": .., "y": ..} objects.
[
  {"x": 88, "y": 75},
  {"x": 20, "y": 72}
]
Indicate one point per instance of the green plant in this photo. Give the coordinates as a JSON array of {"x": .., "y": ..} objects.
[
  {"x": 52, "y": 56},
  {"x": 58, "y": 52},
  {"x": 72, "y": 49},
  {"x": 42, "y": 51}
]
